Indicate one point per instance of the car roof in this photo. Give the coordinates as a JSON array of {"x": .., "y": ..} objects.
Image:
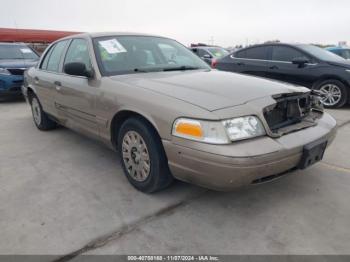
[{"x": 106, "y": 34}]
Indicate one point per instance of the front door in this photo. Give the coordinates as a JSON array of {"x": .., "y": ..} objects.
[
  {"x": 76, "y": 95},
  {"x": 281, "y": 67}
]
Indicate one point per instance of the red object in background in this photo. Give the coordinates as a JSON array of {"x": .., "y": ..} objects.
[
  {"x": 32, "y": 36},
  {"x": 213, "y": 63}
]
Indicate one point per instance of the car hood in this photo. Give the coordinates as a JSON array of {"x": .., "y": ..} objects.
[
  {"x": 17, "y": 63},
  {"x": 344, "y": 64},
  {"x": 209, "y": 89}
]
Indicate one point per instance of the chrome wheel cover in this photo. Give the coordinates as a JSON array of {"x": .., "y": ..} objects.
[
  {"x": 330, "y": 94},
  {"x": 36, "y": 111},
  {"x": 135, "y": 156}
]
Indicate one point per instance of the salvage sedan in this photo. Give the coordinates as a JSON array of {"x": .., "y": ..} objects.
[{"x": 169, "y": 115}]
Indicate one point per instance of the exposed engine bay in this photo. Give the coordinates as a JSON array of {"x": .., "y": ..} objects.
[{"x": 293, "y": 112}]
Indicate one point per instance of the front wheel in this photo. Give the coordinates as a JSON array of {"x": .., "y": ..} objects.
[
  {"x": 41, "y": 119},
  {"x": 334, "y": 94},
  {"x": 142, "y": 155}
]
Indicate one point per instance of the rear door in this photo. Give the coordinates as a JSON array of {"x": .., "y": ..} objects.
[
  {"x": 76, "y": 95},
  {"x": 281, "y": 66},
  {"x": 46, "y": 76},
  {"x": 252, "y": 61}
]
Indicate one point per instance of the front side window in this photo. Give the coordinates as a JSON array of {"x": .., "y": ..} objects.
[
  {"x": 285, "y": 54},
  {"x": 78, "y": 52},
  {"x": 55, "y": 56},
  {"x": 134, "y": 54},
  {"x": 260, "y": 53}
]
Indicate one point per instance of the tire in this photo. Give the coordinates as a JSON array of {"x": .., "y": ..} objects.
[
  {"x": 142, "y": 156},
  {"x": 40, "y": 118},
  {"x": 336, "y": 98}
]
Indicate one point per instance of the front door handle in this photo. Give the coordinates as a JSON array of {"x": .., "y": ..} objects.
[
  {"x": 273, "y": 67},
  {"x": 58, "y": 85},
  {"x": 240, "y": 63}
]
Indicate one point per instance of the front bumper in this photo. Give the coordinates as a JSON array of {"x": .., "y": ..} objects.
[
  {"x": 10, "y": 85},
  {"x": 225, "y": 167}
]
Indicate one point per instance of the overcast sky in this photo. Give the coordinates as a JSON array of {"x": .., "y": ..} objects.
[{"x": 229, "y": 22}]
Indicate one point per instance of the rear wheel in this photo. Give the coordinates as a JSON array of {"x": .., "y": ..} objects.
[
  {"x": 334, "y": 94},
  {"x": 40, "y": 118},
  {"x": 142, "y": 155}
]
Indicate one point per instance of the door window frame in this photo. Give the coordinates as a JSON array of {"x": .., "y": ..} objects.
[
  {"x": 313, "y": 60},
  {"x": 65, "y": 56}
]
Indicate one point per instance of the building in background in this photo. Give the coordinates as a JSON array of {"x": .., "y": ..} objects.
[{"x": 38, "y": 39}]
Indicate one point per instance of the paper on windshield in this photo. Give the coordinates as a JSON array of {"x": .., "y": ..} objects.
[
  {"x": 112, "y": 46},
  {"x": 26, "y": 51}
]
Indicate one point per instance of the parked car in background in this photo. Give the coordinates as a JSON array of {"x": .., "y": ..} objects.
[
  {"x": 169, "y": 115},
  {"x": 344, "y": 52},
  {"x": 210, "y": 54},
  {"x": 300, "y": 64},
  {"x": 15, "y": 58}
]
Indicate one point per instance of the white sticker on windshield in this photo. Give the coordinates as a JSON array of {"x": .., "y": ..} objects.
[
  {"x": 26, "y": 51},
  {"x": 112, "y": 46}
]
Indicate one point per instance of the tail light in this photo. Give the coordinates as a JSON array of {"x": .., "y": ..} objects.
[{"x": 214, "y": 63}]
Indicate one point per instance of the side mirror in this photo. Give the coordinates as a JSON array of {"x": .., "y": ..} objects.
[
  {"x": 206, "y": 56},
  {"x": 300, "y": 61},
  {"x": 77, "y": 69}
]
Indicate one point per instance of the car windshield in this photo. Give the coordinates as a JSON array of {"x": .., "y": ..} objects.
[
  {"x": 218, "y": 52},
  {"x": 140, "y": 54},
  {"x": 346, "y": 53},
  {"x": 321, "y": 53},
  {"x": 17, "y": 52}
]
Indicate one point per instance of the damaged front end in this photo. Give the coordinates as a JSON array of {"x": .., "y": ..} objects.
[{"x": 293, "y": 112}]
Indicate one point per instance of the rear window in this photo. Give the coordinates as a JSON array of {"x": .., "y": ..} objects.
[
  {"x": 17, "y": 52},
  {"x": 218, "y": 52},
  {"x": 259, "y": 53}
]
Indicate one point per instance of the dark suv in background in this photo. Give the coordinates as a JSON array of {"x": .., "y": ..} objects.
[
  {"x": 299, "y": 64},
  {"x": 15, "y": 58}
]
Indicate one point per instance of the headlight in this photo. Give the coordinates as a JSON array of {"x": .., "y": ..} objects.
[
  {"x": 218, "y": 132},
  {"x": 244, "y": 127},
  {"x": 212, "y": 132},
  {"x": 4, "y": 71}
]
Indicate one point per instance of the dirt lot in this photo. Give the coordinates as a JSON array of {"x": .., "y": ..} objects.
[{"x": 60, "y": 191}]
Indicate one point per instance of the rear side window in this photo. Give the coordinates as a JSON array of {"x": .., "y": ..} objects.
[
  {"x": 260, "y": 53},
  {"x": 43, "y": 65},
  {"x": 78, "y": 52},
  {"x": 55, "y": 56},
  {"x": 285, "y": 53}
]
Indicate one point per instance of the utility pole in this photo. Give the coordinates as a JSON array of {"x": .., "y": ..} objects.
[{"x": 211, "y": 40}]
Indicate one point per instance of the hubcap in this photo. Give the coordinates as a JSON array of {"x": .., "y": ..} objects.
[
  {"x": 136, "y": 156},
  {"x": 330, "y": 94},
  {"x": 36, "y": 111}
]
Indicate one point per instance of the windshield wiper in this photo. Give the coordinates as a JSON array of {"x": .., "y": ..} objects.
[
  {"x": 181, "y": 68},
  {"x": 140, "y": 70}
]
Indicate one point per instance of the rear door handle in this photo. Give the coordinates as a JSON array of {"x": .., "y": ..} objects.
[
  {"x": 240, "y": 63},
  {"x": 273, "y": 67}
]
